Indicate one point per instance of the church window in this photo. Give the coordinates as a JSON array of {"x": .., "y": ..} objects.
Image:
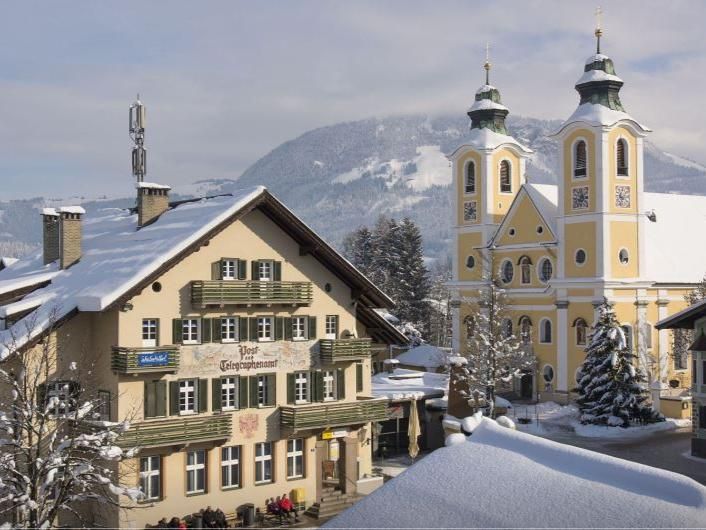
[
  {"x": 580, "y": 257},
  {"x": 624, "y": 256},
  {"x": 621, "y": 157},
  {"x": 506, "y": 328},
  {"x": 580, "y": 159},
  {"x": 505, "y": 177},
  {"x": 545, "y": 270},
  {"x": 545, "y": 331},
  {"x": 581, "y": 331},
  {"x": 507, "y": 272},
  {"x": 470, "y": 186},
  {"x": 525, "y": 330},
  {"x": 470, "y": 262},
  {"x": 525, "y": 269}
]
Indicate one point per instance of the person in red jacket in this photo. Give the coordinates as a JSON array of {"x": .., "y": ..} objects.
[{"x": 286, "y": 506}]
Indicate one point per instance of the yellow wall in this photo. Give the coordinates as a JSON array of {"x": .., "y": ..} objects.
[
  {"x": 576, "y": 236},
  {"x": 502, "y": 201},
  {"x": 589, "y": 180},
  {"x": 467, "y": 244},
  {"x": 535, "y": 257},
  {"x": 525, "y": 220},
  {"x": 623, "y": 234}
]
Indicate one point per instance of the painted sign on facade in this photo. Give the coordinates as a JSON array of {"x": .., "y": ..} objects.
[{"x": 153, "y": 358}]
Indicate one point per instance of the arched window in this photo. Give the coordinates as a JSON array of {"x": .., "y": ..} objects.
[
  {"x": 470, "y": 186},
  {"x": 470, "y": 324},
  {"x": 545, "y": 331},
  {"x": 506, "y": 328},
  {"x": 546, "y": 270},
  {"x": 505, "y": 177},
  {"x": 525, "y": 330},
  {"x": 581, "y": 331},
  {"x": 580, "y": 159},
  {"x": 621, "y": 158},
  {"x": 627, "y": 330},
  {"x": 525, "y": 270},
  {"x": 507, "y": 272}
]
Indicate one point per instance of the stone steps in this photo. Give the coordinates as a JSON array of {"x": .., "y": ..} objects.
[{"x": 332, "y": 502}]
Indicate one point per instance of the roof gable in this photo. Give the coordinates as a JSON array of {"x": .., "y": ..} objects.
[{"x": 530, "y": 210}]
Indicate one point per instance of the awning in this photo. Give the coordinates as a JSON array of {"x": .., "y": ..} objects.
[{"x": 699, "y": 344}]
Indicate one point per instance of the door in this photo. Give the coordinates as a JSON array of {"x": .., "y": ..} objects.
[{"x": 526, "y": 386}]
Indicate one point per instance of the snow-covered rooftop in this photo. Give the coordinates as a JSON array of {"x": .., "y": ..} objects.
[
  {"x": 544, "y": 197},
  {"x": 486, "y": 104},
  {"x": 425, "y": 356},
  {"x": 502, "y": 478},
  {"x": 596, "y": 114},
  {"x": 597, "y": 75},
  {"x": 152, "y": 185},
  {"x": 485, "y": 88},
  {"x": 484, "y": 138},
  {"x": 596, "y": 57},
  {"x": 409, "y": 384}
]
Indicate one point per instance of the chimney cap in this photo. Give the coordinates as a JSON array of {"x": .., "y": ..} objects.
[
  {"x": 72, "y": 210},
  {"x": 152, "y": 185},
  {"x": 50, "y": 211}
]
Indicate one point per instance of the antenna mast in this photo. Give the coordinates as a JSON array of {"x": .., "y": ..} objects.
[{"x": 137, "y": 133}]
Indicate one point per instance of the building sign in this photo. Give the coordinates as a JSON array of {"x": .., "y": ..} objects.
[
  {"x": 330, "y": 435},
  {"x": 250, "y": 359},
  {"x": 395, "y": 411},
  {"x": 153, "y": 358}
]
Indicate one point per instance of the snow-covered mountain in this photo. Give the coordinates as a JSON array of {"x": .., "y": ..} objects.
[{"x": 344, "y": 175}]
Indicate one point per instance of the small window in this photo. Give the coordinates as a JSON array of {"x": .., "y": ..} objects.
[
  {"x": 546, "y": 270},
  {"x": 525, "y": 270},
  {"x": 103, "y": 408},
  {"x": 301, "y": 387},
  {"x": 151, "y": 477},
  {"x": 545, "y": 331},
  {"x": 230, "y": 467},
  {"x": 331, "y": 328},
  {"x": 470, "y": 262},
  {"x": 229, "y": 329},
  {"x": 191, "y": 330},
  {"x": 548, "y": 373},
  {"x": 188, "y": 399},
  {"x": 156, "y": 287},
  {"x": 505, "y": 177},
  {"x": 300, "y": 328},
  {"x": 229, "y": 393},
  {"x": 580, "y": 257},
  {"x": 470, "y": 323},
  {"x": 624, "y": 256},
  {"x": 295, "y": 458},
  {"x": 506, "y": 328},
  {"x": 581, "y": 331},
  {"x": 264, "y": 390},
  {"x": 229, "y": 269},
  {"x": 507, "y": 272},
  {"x": 540, "y": 229},
  {"x": 196, "y": 471},
  {"x": 580, "y": 159},
  {"x": 265, "y": 331},
  {"x": 470, "y": 185},
  {"x": 525, "y": 330},
  {"x": 61, "y": 397},
  {"x": 329, "y": 385},
  {"x": 149, "y": 332},
  {"x": 512, "y": 232},
  {"x": 264, "y": 270},
  {"x": 263, "y": 462},
  {"x": 621, "y": 157}
]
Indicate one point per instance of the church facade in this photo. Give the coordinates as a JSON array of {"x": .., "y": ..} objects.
[{"x": 559, "y": 251}]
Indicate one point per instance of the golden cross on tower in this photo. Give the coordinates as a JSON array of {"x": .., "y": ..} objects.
[
  {"x": 487, "y": 64},
  {"x": 599, "y": 31}
]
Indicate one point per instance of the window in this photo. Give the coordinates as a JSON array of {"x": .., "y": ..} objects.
[
  {"x": 229, "y": 393},
  {"x": 301, "y": 387},
  {"x": 507, "y": 272},
  {"x": 191, "y": 331},
  {"x": 329, "y": 385},
  {"x": 151, "y": 477},
  {"x": 548, "y": 373},
  {"x": 295, "y": 458},
  {"x": 680, "y": 354},
  {"x": 188, "y": 401},
  {"x": 581, "y": 331},
  {"x": 149, "y": 332},
  {"x": 470, "y": 211},
  {"x": 229, "y": 329},
  {"x": 505, "y": 177},
  {"x": 196, "y": 471},
  {"x": 229, "y": 269},
  {"x": 525, "y": 330},
  {"x": 264, "y": 328},
  {"x": 299, "y": 328},
  {"x": 545, "y": 331},
  {"x": 627, "y": 330},
  {"x": 512, "y": 232},
  {"x": 540, "y": 229},
  {"x": 264, "y": 271},
  {"x": 621, "y": 157},
  {"x": 61, "y": 397},
  {"x": 580, "y": 257},
  {"x": 506, "y": 328},
  {"x": 103, "y": 409},
  {"x": 702, "y": 417},
  {"x": 263, "y": 390},
  {"x": 580, "y": 159},
  {"x": 263, "y": 462},
  {"x": 331, "y": 329},
  {"x": 470, "y": 186},
  {"x": 470, "y": 262},
  {"x": 624, "y": 256},
  {"x": 545, "y": 270},
  {"x": 470, "y": 327},
  {"x": 525, "y": 274},
  {"x": 230, "y": 466}
]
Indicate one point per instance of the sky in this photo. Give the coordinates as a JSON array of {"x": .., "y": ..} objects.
[{"x": 225, "y": 82}]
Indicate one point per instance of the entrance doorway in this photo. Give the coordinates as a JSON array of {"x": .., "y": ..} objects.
[{"x": 526, "y": 384}]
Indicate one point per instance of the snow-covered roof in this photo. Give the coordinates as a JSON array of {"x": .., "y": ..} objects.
[
  {"x": 485, "y": 88},
  {"x": 596, "y": 57},
  {"x": 544, "y": 197},
  {"x": 152, "y": 185},
  {"x": 597, "y": 75},
  {"x": 486, "y": 104},
  {"x": 595, "y": 114},
  {"x": 72, "y": 209},
  {"x": 484, "y": 138},
  {"x": 7, "y": 261},
  {"x": 50, "y": 211},
  {"x": 425, "y": 356},
  {"x": 409, "y": 384},
  {"x": 685, "y": 318},
  {"x": 502, "y": 478}
]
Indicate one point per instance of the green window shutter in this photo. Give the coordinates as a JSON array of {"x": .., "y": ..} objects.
[
  {"x": 203, "y": 395},
  {"x": 271, "y": 390},
  {"x": 157, "y": 342},
  {"x": 287, "y": 328},
  {"x": 149, "y": 400},
  {"x": 242, "y": 269},
  {"x": 312, "y": 327},
  {"x": 243, "y": 392},
  {"x": 42, "y": 396},
  {"x": 177, "y": 330},
  {"x": 173, "y": 398},
  {"x": 253, "y": 329},
  {"x": 216, "y": 330},
  {"x": 358, "y": 377},
  {"x": 205, "y": 330},
  {"x": 254, "y": 270},
  {"x": 279, "y": 328},
  {"x": 216, "y": 394},
  {"x": 243, "y": 329},
  {"x": 252, "y": 383},
  {"x": 290, "y": 388},
  {"x": 161, "y": 398},
  {"x": 277, "y": 271},
  {"x": 340, "y": 383},
  {"x": 216, "y": 270},
  {"x": 319, "y": 385}
]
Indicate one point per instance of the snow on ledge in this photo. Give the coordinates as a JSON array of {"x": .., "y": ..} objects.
[
  {"x": 50, "y": 211},
  {"x": 486, "y": 104},
  {"x": 597, "y": 75},
  {"x": 152, "y": 186},
  {"x": 597, "y": 57},
  {"x": 72, "y": 210}
]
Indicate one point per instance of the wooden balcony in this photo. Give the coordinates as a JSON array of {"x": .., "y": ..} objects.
[
  {"x": 145, "y": 360},
  {"x": 247, "y": 293},
  {"x": 178, "y": 431},
  {"x": 296, "y": 418},
  {"x": 341, "y": 350}
]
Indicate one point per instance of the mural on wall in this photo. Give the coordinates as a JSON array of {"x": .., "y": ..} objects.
[
  {"x": 246, "y": 357},
  {"x": 248, "y": 424}
]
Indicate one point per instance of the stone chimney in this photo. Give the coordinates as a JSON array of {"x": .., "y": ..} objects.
[
  {"x": 70, "y": 235},
  {"x": 50, "y": 234},
  {"x": 152, "y": 201}
]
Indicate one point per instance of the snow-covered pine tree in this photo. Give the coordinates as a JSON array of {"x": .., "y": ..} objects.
[
  {"x": 358, "y": 248},
  {"x": 611, "y": 389},
  {"x": 411, "y": 276},
  {"x": 385, "y": 255}
]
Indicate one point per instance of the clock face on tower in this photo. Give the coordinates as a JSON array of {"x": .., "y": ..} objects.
[
  {"x": 579, "y": 198},
  {"x": 470, "y": 211},
  {"x": 622, "y": 196}
]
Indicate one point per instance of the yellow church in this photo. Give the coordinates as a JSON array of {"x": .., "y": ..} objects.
[{"x": 558, "y": 251}]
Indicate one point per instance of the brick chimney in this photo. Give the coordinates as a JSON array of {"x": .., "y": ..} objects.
[
  {"x": 152, "y": 201},
  {"x": 70, "y": 235},
  {"x": 50, "y": 235}
]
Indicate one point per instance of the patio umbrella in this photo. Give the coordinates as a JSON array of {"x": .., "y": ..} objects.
[{"x": 413, "y": 430}]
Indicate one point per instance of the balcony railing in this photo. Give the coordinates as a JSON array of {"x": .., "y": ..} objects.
[
  {"x": 236, "y": 292},
  {"x": 325, "y": 415},
  {"x": 177, "y": 431},
  {"x": 340, "y": 350},
  {"x": 143, "y": 360}
]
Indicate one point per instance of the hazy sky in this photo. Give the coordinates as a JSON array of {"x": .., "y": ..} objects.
[{"x": 226, "y": 82}]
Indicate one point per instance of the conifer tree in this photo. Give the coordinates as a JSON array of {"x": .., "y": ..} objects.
[
  {"x": 411, "y": 275},
  {"x": 611, "y": 389},
  {"x": 358, "y": 247}
]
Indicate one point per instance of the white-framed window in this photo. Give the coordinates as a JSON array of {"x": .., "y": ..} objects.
[
  {"x": 581, "y": 331},
  {"x": 149, "y": 332},
  {"x": 545, "y": 331},
  {"x": 624, "y": 256},
  {"x": 151, "y": 477},
  {"x": 301, "y": 387},
  {"x": 61, "y": 397},
  {"x": 230, "y": 467},
  {"x": 548, "y": 373},
  {"x": 621, "y": 157},
  {"x": 188, "y": 399},
  {"x": 580, "y": 257},
  {"x": 505, "y": 177},
  {"x": 580, "y": 159},
  {"x": 300, "y": 328},
  {"x": 265, "y": 328},
  {"x": 263, "y": 390},
  {"x": 229, "y": 329},
  {"x": 229, "y": 393},
  {"x": 229, "y": 269},
  {"x": 329, "y": 384},
  {"x": 191, "y": 330},
  {"x": 295, "y": 458},
  {"x": 331, "y": 327},
  {"x": 470, "y": 183},
  {"x": 525, "y": 270},
  {"x": 546, "y": 270},
  {"x": 196, "y": 471},
  {"x": 264, "y": 270},
  {"x": 507, "y": 271},
  {"x": 263, "y": 462}
]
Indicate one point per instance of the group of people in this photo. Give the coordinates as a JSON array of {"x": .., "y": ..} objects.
[
  {"x": 281, "y": 507},
  {"x": 210, "y": 518},
  {"x": 174, "y": 522}
]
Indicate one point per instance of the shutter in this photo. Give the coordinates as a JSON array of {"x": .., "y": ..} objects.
[
  {"x": 271, "y": 390},
  {"x": 149, "y": 400},
  {"x": 277, "y": 271},
  {"x": 216, "y": 270},
  {"x": 290, "y": 388},
  {"x": 242, "y": 329},
  {"x": 203, "y": 395},
  {"x": 340, "y": 383},
  {"x": 254, "y": 271},
  {"x": 287, "y": 328},
  {"x": 216, "y": 329},
  {"x": 359, "y": 377},
  {"x": 253, "y": 329},
  {"x": 205, "y": 330},
  {"x": 216, "y": 394},
  {"x": 156, "y": 331},
  {"x": 242, "y": 269},
  {"x": 161, "y": 398},
  {"x": 319, "y": 385},
  {"x": 252, "y": 383},
  {"x": 242, "y": 392},
  {"x": 177, "y": 325},
  {"x": 173, "y": 398},
  {"x": 279, "y": 328},
  {"x": 312, "y": 327}
]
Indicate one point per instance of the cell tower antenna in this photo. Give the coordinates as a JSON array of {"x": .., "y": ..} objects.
[{"x": 138, "y": 116}]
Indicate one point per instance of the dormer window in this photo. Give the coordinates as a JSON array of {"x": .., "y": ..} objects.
[
  {"x": 621, "y": 157},
  {"x": 580, "y": 159},
  {"x": 470, "y": 185},
  {"x": 505, "y": 177}
]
